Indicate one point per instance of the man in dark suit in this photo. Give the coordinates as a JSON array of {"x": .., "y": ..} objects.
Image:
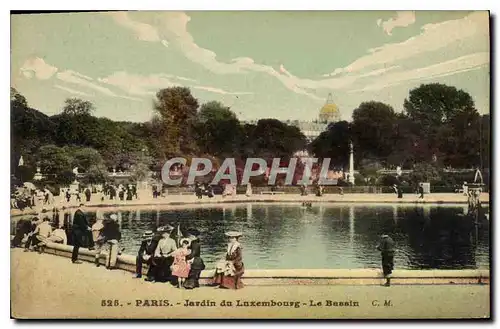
[
  {"x": 81, "y": 233},
  {"x": 194, "y": 259},
  {"x": 146, "y": 252},
  {"x": 386, "y": 248}
]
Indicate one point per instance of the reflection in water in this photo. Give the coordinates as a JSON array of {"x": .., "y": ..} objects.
[{"x": 323, "y": 236}]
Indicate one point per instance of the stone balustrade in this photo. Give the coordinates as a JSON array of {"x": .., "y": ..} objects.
[{"x": 305, "y": 276}]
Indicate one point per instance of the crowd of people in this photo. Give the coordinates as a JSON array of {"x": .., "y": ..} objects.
[
  {"x": 122, "y": 192},
  {"x": 169, "y": 258}
]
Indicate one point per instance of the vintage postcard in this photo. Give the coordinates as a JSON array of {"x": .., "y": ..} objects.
[{"x": 250, "y": 165}]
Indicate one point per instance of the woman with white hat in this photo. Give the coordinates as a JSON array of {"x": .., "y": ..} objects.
[{"x": 229, "y": 271}]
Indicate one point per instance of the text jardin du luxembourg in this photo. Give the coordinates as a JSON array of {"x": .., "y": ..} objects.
[{"x": 269, "y": 303}]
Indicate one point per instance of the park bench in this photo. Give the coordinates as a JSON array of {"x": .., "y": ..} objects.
[{"x": 271, "y": 192}]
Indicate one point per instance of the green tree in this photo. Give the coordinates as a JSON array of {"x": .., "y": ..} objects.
[
  {"x": 424, "y": 172},
  {"x": 272, "y": 138},
  {"x": 215, "y": 111},
  {"x": 75, "y": 106},
  {"x": 433, "y": 104},
  {"x": 448, "y": 124},
  {"x": 218, "y": 130},
  {"x": 177, "y": 110},
  {"x": 16, "y": 99},
  {"x": 54, "y": 161},
  {"x": 373, "y": 129},
  {"x": 334, "y": 144}
]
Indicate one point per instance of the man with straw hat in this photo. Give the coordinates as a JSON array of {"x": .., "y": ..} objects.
[
  {"x": 146, "y": 252},
  {"x": 163, "y": 258},
  {"x": 230, "y": 270}
]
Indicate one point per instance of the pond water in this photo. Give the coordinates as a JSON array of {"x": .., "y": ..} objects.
[{"x": 283, "y": 236}]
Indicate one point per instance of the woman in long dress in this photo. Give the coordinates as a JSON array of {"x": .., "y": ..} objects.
[
  {"x": 194, "y": 258},
  {"x": 229, "y": 271}
]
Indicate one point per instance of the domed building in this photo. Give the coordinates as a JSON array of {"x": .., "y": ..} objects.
[{"x": 329, "y": 113}]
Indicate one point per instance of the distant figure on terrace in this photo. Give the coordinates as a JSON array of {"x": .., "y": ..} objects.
[
  {"x": 68, "y": 195},
  {"x": 112, "y": 192},
  {"x": 230, "y": 270},
  {"x": 398, "y": 191},
  {"x": 198, "y": 191},
  {"x": 303, "y": 189},
  {"x": 319, "y": 189},
  {"x": 134, "y": 191},
  {"x": 129, "y": 192},
  {"x": 87, "y": 194},
  {"x": 421, "y": 191},
  {"x": 229, "y": 189}
]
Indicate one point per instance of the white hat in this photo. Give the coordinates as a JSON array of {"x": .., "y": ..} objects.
[
  {"x": 113, "y": 217},
  {"x": 234, "y": 234}
]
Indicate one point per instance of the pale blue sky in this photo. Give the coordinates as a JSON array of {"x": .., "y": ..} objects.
[{"x": 262, "y": 64}]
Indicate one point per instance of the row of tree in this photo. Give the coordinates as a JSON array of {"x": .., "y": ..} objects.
[{"x": 439, "y": 125}]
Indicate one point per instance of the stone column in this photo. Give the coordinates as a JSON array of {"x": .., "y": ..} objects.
[{"x": 351, "y": 164}]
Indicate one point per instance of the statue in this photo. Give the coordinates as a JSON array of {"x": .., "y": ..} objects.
[{"x": 75, "y": 171}]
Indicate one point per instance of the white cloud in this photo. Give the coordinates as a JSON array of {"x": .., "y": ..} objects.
[
  {"x": 37, "y": 67},
  {"x": 138, "y": 84},
  {"x": 433, "y": 37},
  {"x": 77, "y": 78},
  {"x": 72, "y": 91},
  {"x": 70, "y": 77},
  {"x": 403, "y": 19},
  {"x": 148, "y": 85},
  {"x": 219, "y": 91},
  {"x": 454, "y": 66},
  {"x": 378, "y": 62},
  {"x": 144, "y": 32}
]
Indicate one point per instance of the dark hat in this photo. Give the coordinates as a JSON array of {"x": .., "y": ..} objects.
[
  {"x": 185, "y": 240},
  {"x": 147, "y": 234}
]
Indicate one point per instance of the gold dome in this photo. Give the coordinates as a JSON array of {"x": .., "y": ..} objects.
[{"x": 330, "y": 113}]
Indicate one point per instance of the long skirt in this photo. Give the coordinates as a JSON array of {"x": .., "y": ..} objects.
[{"x": 228, "y": 282}]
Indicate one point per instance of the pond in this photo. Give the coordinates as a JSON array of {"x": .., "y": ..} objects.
[{"x": 284, "y": 236}]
